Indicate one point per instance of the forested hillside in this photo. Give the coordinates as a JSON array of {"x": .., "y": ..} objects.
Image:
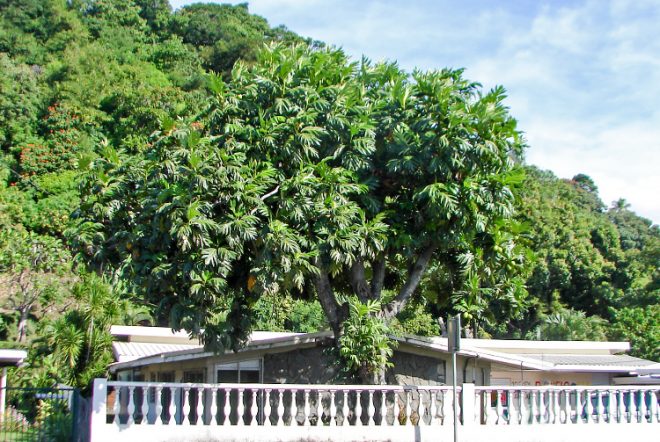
[{"x": 87, "y": 79}]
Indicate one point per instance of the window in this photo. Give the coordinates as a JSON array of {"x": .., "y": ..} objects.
[
  {"x": 194, "y": 376},
  {"x": 244, "y": 372},
  {"x": 165, "y": 376}
]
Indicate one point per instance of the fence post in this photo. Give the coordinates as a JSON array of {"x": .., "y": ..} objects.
[
  {"x": 99, "y": 409},
  {"x": 467, "y": 405},
  {"x": 3, "y": 393},
  {"x": 75, "y": 415}
]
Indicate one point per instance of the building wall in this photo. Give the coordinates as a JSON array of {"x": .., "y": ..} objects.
[
  {"x": 314, "y": 365},
  {"x": 532, "y": 378},
  {"x": 300, "y": 366},
  {"x": 412, "y": 369}
]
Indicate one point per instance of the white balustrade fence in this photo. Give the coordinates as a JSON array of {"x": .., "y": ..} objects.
[
  {"x": 145, "y": 403},
  {"x": 567, "y": 405},
  {"x": 180, "y": 411}
]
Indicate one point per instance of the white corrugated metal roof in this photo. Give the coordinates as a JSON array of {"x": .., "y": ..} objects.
[
  {"x": 130, "y": 351},
  {"x": 174, "y": 342},
  {"x": 518, "y": 346},
  {"x": 165, "y": 335},
  {"x": 601, "y": 360}
]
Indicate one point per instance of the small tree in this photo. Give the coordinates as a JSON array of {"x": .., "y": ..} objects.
[
  {"x": 365, "y": 346},
  {"x": 77, "y": 347},
  {"x": 33, "y": 269}
]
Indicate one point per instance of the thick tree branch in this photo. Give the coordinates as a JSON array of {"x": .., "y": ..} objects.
[
  {"x": 378, "y": 277},
  {"x": 327, "y": 298},
  {"x": 265, "y": 197},
  {"x": 359, "y": 281},
  {"x": 415, "y": 276},
  {"x": 271, "y": 193}
]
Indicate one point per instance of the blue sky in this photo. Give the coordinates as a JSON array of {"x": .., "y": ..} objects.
[{"x": 583, "y": 77}]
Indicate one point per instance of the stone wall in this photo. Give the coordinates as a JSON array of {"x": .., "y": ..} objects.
[
  {"x": 411, "y": 369},
  {"x": 301, "y": 366},
  {"x": 315, "y": 366}
]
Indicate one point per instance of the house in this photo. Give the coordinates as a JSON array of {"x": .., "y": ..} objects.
[{"x": 158, "y": 354}]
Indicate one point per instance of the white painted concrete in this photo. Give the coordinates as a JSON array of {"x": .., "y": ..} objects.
[
  {"x": 3, "y": 393},
  {"x": 585, "y": 433},
  {"x": 183, "y": 412}
]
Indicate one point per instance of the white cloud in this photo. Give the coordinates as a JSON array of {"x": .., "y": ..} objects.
[
  {"x": 583, "y": 76},
  {"x": 619, "y": 159}
]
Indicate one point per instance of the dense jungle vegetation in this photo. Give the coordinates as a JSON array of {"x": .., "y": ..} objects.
[{"x": 96, "y": 94}]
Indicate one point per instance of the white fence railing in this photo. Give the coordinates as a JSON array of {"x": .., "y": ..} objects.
[
  {"x": 167, "y": 411},
  {"x": 144, "y": 403},
  {"x": 566, "y": 405}
]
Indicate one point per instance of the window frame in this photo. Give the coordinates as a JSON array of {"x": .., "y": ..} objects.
[{"x": 250, "y": 365}]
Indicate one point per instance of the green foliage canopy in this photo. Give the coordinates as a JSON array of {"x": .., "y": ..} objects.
[{"x": 307, "y": 172}]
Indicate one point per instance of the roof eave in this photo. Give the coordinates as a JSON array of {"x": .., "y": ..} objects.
[{"x": 186, "y": 355}]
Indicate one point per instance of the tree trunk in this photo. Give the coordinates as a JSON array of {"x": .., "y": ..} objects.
[
  {"x": 335, "y": 313},
  {"x": 22, "y": 323},
  {"x": 415, "y": 275}
]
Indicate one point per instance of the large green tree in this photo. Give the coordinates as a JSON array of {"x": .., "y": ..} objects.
[{"x": 309, "y": 173}]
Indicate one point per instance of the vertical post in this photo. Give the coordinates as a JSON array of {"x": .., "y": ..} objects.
[
  {"x": 3, "y": 393},
  {"x": 454, "y": 344},
  {"x": 99, "y": 408},
  {"x": 75, "y": 414},
  {"x": 454, "y": 395},
  {"x": 467, "y": 404}
]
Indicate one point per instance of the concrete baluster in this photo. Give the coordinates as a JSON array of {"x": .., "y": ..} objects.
[
  {"x": 498, "y": 408},
  {"x": 371, "y": 409},
  {"x": 116, "y": 407},
  {"x": 306, "y": 409},
  {"x": 280, "y": 407},
  {"x": 588, "y": 408},
  {"x": 214, "y": 407},
  {"x": 406, "y": 408},
  {"x": 552, "y": 409},
  {"x": 268, "y": 395},
  {"x": 653, "y": 407},
  {"x": 642, "y": 410},
  {"x": 332, "y": 409},
  {"x": 131, "y": 406},
  {"x": 358, "y": 407},
  {"x": 227, "y": 407},
  {"x": 611, "y": 411},
  {"x": 600, "y": 406},
  {"x": 524, "y": 416},
  {"x": 158, "y": 405},
  {"x": 532, "y": 402},
  {"x": 620, "y": 407},
  {"x": 172, "y": 406},
  {"x": 254, "y": 409},
  {"x": 185, "y": 406},
  {"x": 433, "y": 406},
  {"x": 634, "y": 406},
  {"x": 383, "y": 408},
  {"x": 200, "y": 406},
  {"x": 565, "y": 407},
  {"x": 145, "y": 405},
  {"x": 241, "y": 407}
]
